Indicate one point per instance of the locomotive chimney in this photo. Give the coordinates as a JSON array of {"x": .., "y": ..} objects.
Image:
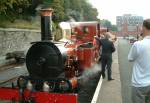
[{"x": 46, "y": 24}]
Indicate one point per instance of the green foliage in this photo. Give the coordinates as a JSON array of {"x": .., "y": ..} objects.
[
  {"x": 11, "y": 8},
  {"x": 64, "y": 10},
  {"x": 80, "y": 10},
  {"x": 106, "y": 23},
  {"x": 114, "y": 28},
  {"x": 57, "y": 5}
]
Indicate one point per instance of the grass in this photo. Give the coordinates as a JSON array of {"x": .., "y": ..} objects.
[{"x": 21, "y": 24}]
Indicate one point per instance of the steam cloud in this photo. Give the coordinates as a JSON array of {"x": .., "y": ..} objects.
[{"x": 89, "y": 73}]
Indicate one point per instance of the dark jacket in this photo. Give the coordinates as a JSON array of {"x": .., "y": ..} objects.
[{"x": 107, "y": 48}]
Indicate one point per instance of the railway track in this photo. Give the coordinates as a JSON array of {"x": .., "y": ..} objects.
[
  {"x": 87, "y": 91},
  {"x": 9, "y": 73},
  {"x": 8, "y": 82},
  {"x": 8, "y": 66}
]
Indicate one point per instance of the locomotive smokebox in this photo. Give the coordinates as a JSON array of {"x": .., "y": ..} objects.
[{"x": 46, "y": 24}]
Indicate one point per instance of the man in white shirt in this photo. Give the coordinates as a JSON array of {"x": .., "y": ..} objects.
[{"x": 140, "y": 55}]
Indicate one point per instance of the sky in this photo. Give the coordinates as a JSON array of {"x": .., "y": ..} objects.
[{"x": 109, "y": 9}]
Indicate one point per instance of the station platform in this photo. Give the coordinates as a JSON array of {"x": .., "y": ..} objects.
[{"x": 109, "y": 91}]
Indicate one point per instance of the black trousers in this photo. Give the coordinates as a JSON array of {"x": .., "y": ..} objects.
[{"x": 106, "y": 64}]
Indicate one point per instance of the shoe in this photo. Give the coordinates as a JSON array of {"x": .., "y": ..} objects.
[
  {"x": 103, "y": 75},
  {"x": 110, "y": 79}
]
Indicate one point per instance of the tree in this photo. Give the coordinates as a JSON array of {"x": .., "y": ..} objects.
[
  {"x": 72, "y": 9},
  {"x": 114, "y": 28},
  {"x": 57, "y": 5},
  {"x": 107, "y": 23},
  {"x": 11, "y": 8},
  {"x": 80, "y": 10},
  {"x": 89, "y": 13}
]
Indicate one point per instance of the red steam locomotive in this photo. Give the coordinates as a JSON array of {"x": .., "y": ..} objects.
[{"x": 54, "y": 68}]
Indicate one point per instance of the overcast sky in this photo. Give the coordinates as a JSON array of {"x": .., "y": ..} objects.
[{"x": 109, "y": 9}]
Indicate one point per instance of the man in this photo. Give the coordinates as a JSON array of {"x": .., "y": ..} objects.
[
  {"x": 108, "y": 48},
  {"x": 140, "y": 55}
]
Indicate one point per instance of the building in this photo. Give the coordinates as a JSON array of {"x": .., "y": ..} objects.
[{"x": 129, "y": 24}]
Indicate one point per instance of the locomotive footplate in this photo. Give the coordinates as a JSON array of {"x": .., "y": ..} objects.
[
  {"x": 29, "y": 90},
  {"x": 13, "y": 95}
]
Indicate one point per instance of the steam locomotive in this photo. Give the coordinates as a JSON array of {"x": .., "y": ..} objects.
[{"x": 54, "y": 67}]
